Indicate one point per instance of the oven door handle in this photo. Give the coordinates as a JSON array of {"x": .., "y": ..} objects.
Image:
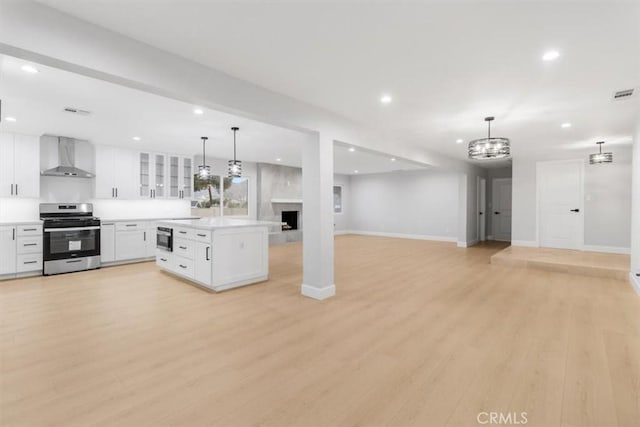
[{"x": 65, "y": 229}]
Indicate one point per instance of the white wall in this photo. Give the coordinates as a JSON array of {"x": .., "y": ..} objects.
[
  {"x": 635, "y": 232},
  {"x": 419, "y": 203},
  {"x": 607, "y": 201},
  {"x": 341, "y": 221}
]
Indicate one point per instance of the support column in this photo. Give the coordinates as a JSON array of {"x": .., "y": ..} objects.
[
  {"x": 317, "y": 218},
  {"x": 635, "y": 209}
]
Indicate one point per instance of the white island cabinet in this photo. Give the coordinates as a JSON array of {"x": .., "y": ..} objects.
[{"x": 218, "y": 253}]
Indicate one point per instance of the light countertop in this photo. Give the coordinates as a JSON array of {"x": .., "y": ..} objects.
[
  {"x": 21, "y": 222},
  {"x": 126, "y": 219},
  {"x": 217, "y": 222}
]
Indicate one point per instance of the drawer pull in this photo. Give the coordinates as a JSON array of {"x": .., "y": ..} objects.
[
  {"x": 202, "y": 235},
  {"x": 183, "y": 266},
  {"x": 182, "y": 232},
  {"x": 29, "y": 229},
  {"x": 30, "y": 262},
  {"x": 131, "y": 225},
  {"x": 30, "y": 244},
  {"x": 163, "y": 259},
  {"x": 183, "y": 247}
]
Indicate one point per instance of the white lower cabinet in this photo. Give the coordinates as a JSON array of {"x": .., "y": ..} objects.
[
  {"x": 107, "y": 242},
  {"x": 8, "y": 250},
  {"x": 150, "y": 239},
  {"x": 130, "y": 245},
  {"x": 203, "y": 265},
  {"x": 20, "y": 249}
]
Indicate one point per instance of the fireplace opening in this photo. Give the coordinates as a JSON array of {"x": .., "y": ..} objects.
[{"x": 289, "y": 220}]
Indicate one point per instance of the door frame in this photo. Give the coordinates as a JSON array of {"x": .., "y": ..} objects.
[
  {"x": 493, "y": 207},
  {"x": 481, "y": 212},
  {"x": 539, "y": 166}
]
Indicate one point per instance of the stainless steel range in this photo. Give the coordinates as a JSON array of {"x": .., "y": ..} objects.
[{"x": 71, "y": 237}]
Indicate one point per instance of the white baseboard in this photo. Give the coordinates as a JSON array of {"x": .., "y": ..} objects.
[
  {"x": 404, "y": 236},
  {"x": 467, "y": 244},
  {"x": 341, "y": 232},
  {"x": 635, "y": 282},
  {"x": 318, "y": 293},
  {"x": 608, "y": 249},
  {"x": 525, "y": 243}
]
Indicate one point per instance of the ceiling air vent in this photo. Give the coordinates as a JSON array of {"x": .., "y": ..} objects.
[
  {"x": 76, "y": 111},
  {"x": 622, "y": 94}
]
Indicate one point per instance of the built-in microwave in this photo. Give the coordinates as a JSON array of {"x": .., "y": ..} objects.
[{"x": 164, "y": 239}]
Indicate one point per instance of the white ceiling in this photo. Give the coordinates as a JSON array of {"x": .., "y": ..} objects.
[
  {"x": 118, "y": 114},
  {"x": 447, "y": 64}
]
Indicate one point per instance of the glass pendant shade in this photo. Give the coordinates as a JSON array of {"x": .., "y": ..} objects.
[
  {"x": 235, "y": 168},
  {"x": 204, "y": 171},
  {"x": 600, "y": 157},
  {"x": 489, "y": 148},
  {"x": 235, "y": 165}
]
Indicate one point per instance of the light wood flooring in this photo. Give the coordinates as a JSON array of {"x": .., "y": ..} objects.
[
  {"x": 567, "y": 261},
  {"x": 419, "y": 334}
]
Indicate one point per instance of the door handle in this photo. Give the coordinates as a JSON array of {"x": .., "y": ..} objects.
[
  {"x": 575, "y": 210},
  {"x": 16, "y": 189},
  {"x": 207, "y": 253},
  {"x": 497, "y": 213},
  {"x": 145, "y": 236},
  {"x": 12, "y": 189},
  {"x": 116, "y": 192}
]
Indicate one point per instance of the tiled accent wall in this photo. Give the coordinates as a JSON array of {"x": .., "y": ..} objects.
[{"x": 279, "y": 182}]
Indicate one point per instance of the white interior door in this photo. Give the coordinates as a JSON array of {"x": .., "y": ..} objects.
[
  {"x": 560, "y": 204},
  {"x": 501, "y": 209},
  {"x": 482, "y": 208}
]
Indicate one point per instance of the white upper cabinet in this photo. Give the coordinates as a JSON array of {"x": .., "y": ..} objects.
[
  {"x": 116, "y": 171},
  {"x": 152, "y": 176},
  {"x": 19, "y": 165},
  {"x": 180, "y": 177}
]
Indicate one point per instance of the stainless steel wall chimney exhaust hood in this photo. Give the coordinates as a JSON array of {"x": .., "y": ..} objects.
[{"x": 67, "y": 161}]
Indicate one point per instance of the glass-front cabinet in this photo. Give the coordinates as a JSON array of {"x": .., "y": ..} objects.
[
  {"x": 180, "y": 177},
  {"x": 153, "y": 175}
]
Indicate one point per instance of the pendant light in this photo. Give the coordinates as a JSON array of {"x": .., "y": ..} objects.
[
  {"x": 489, "y": 148},
  {"x": 204, "y": 171},
  {"x": 600, "y": 157},
  {"x": 235, "y": 166}
]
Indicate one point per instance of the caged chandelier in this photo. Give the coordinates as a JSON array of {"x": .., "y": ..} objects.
[
  {"x": 600, "y": 157},
  {"x": 489, "y": 148},
  {"x": 235, "y": 166}
]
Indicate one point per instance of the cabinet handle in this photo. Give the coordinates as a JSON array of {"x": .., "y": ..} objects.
[
  {"x": 182, "y": 232},
  {"x": 145, "y": 236},
  {"x": 30, "y": 229},
  {"x": 182, "y": 266},
  {"x": 30, "y": 262},
  {"x": 183, "y": 247},
  {"x": 116, "y": 192},
  {"x": 130, "y": 225},
  {"x": 201, "y": 235},
  {"x": 14, "y": 234},
  {"x": 16, "y": 189},
  {"x": 207, "y": 253},
  {"x": 163, "y": 259},
  {"x": 30, "y": 244},
  {"x": 12, "y": 189}
]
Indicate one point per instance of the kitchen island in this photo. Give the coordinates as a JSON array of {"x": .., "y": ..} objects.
[{"x": 217, "y": 253}]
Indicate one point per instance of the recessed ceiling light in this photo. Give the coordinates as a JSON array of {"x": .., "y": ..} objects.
[
  {"x": 198, "y": 111},
  {"x": 459, "y": 141},
  {"x": 393, "y": 159},
  {"x": 10, "y": 119},
  {"x": 551, "y": 55},
  {"x": 385, "y": 99},
  {"x": 355, "y": 171},
  {"x": 29, "y": 69},
  {"x": 278, "y": 159},
  {"x": 352, "y": 149},
  {"x": 136, "y": 138},
  {"x": 565, "y": 125}
]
